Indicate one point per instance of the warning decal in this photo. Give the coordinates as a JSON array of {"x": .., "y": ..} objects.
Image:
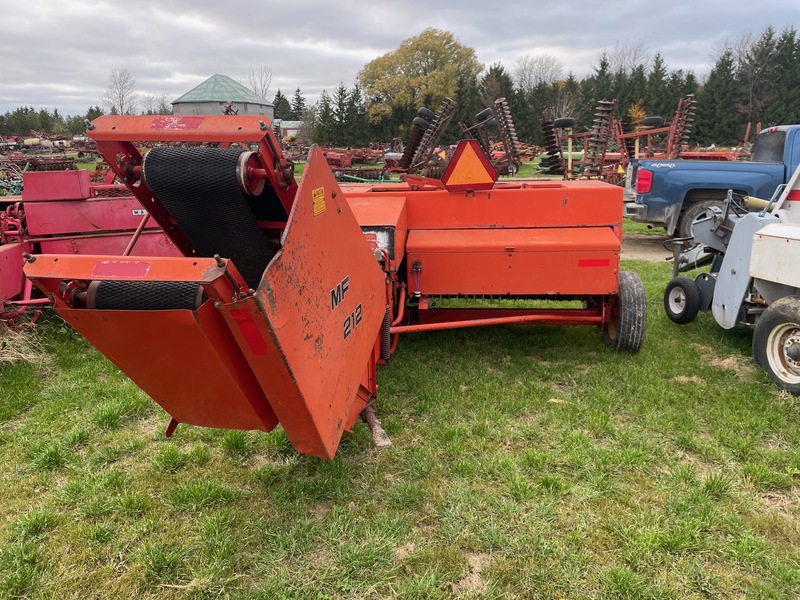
[{"x": 318, "y": 200}]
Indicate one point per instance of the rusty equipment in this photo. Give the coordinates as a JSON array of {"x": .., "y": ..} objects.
[
  {"x": 506, "y": 159},
  {"x": 610, "y": 145},
  {"x": 288, "y": 296}
]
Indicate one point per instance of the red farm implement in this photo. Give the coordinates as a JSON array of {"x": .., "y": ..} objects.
[{"x": 289, "y": 296}]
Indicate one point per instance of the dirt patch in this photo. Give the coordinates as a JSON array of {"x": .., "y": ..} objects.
[
  {"x": 692, "y": 379},
  {"x": 639, "y": 246},
  {"x": 404, "y": 551},
  {"x": 472, "y": 582},
  {"x": 742, "y": 367}
]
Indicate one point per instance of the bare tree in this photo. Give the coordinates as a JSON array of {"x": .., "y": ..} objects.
[
  {"x": 625, "y": 57},
  {"x": 154, "y": 104},
  {"x": 121, "y": 92},
  {"x": 533, "y": 70},
  {"x": 259, "y": 80},
  {"x": 566, "y": 104}
]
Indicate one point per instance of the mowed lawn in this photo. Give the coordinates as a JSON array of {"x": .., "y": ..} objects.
[{"x": 528, "y": 462}]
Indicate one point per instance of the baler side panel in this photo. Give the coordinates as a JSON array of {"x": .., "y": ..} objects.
[{"x": 314, "y": 321}]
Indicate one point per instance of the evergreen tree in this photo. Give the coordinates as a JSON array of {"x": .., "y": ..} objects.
[
  {"x": 754, "y": 76},
  {"x": 716, "y": 121},
  {"x": 339, "y": 107},
  {"x": 784, "y": 107},
  {"x": 358, "y": 132},
  {"x": 281, "y": 107},
  {"x": 324, "y": 122},
  {"x": 468, "y": 104},
  {"x": 656, "y": 100},
  {"x": 298, "y": 106}
]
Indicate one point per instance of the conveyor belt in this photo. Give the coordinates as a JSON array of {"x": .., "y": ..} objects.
[
  {"x": 144, "y": 295},
  {"x": 199, "y": 189}
]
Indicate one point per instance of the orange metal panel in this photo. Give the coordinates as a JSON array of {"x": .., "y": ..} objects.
[
  {"x": 311, "y": 328},
  {"x": 89, "y": 266},
  {"x": 188, "y": 362},
  {"x": 515, "y": 261},
  {"x": 382, "y": 213},
  {"x": 524, "y": 204},
  {"x": 177, "y": 128}
]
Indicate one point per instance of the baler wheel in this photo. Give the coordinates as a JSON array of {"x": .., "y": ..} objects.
[{"x": 625, "y": 330}]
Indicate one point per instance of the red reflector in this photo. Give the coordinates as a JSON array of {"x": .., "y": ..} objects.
[
  {"x": 793, "y": 196},
  {"x": 644, "y": 180},
  {"x": 593, "y": 262}
]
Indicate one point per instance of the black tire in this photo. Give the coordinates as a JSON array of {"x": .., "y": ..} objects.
[
  {"x": 512, "y": 169},
  {"x": 653, "y": 122},
  {"x": 426, "y": 113},
  {"x": 564, "y": 123},
  {"x": 625, "y": 331},
  {"x": 682, "y": 300},
  {"x": 483, "y": 115},
  {"x": 693, "y": 213},
  {"x": 776, "y": 343},
  {"x": 420, "y": 122}
]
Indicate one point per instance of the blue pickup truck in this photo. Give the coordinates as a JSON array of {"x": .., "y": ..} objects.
[{"x": 675, "y": 193}]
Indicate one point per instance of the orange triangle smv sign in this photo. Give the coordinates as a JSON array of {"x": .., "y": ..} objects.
[{"x": 469, "y": 169}]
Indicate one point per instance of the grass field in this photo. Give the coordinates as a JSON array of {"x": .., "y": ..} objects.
[{"x": 528, "y": 462}]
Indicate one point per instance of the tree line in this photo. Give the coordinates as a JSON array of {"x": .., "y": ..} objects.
[{"x": 755, "y": 79}]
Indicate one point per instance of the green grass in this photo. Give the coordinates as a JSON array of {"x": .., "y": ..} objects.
[{"x": 528, "y": 462}]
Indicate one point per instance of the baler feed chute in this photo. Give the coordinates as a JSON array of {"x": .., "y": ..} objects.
[{"x": 252, "y": 330}]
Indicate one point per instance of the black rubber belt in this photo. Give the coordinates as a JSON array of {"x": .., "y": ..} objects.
[
  {"x": 144, "y": 295},
  {"x": 198, "y": 188}
]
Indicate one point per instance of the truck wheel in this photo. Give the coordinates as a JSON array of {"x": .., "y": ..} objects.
[
  {"x": 682, "y": 300},
  {"x": 776, "y": 343},
  {"x": 695, "y": 212},
  {"x": 625, "y": 330}
]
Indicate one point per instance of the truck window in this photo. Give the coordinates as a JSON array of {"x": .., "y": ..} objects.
[{"x": 769, "y": 147}]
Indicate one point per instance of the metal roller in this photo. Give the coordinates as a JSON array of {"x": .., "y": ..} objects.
[
  {"x": 144, "y": 295},
  {"x": 202, "y": 189}
]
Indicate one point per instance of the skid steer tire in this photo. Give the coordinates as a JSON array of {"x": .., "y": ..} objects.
[
  {"x": 625, "y": 331},
  {"x": 682, "y": 300},
  {"x": 776, "y": 343}
]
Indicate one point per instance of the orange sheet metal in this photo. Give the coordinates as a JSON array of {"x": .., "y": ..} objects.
[
  {"x": 179, "y": 128},
  {"x": 517, "y": 204},
  {"x": 188, "y": 362},
  {"x": 546, "y": 261},
  {"x": 311, "y": 328}
]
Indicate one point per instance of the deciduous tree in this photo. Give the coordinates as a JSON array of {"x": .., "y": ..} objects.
[
  {"x": 423, "y": 71},
  {"x": 121, "y": 92}
]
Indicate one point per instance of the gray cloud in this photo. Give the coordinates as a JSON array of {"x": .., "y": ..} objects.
[{"x": 61, "y": 53}]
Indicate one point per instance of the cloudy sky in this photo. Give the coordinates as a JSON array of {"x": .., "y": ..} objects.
[{"x": 58, "y": 54}]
